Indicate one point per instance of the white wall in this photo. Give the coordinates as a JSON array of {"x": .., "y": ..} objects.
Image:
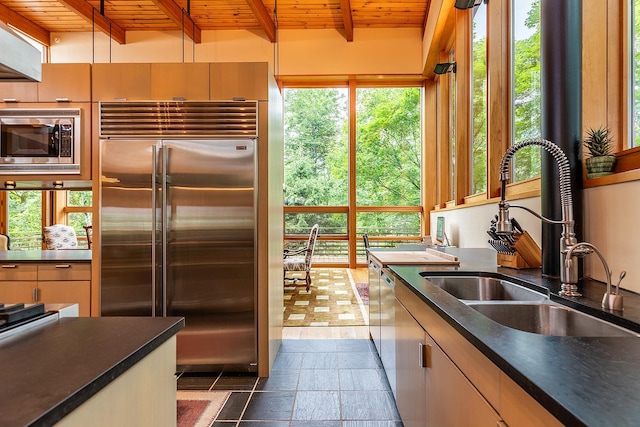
[
  {"x": 610, "y": 223},
  {"x": 298, "y": 52},
  {"x": 467, "y": 227}
]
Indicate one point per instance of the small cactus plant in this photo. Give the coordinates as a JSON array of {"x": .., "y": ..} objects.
[
  {"x": 601, "y": 161},
  {"x": 598, "y": 141}
]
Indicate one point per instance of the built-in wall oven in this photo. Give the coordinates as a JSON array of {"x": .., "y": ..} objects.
[{"x": 40, "y": 141}]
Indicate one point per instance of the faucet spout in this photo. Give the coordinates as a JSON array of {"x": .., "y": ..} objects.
[
  {"x": 611, "y": 300},
  {"x": 568, "y": 276}
]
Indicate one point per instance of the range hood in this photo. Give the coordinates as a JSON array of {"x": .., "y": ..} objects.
[{"x": 19, "y": 61}]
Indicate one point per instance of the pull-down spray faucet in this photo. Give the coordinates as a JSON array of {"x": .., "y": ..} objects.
[{"x": 569, "y": 275}]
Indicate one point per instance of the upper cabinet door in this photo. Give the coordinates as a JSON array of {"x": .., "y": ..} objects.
[
  {"x": 113, "y": 82},
  {"x": 178, "y": 81},
  {"x": 10, "y": 93},
  {"x": 248, "y": 80},
  {"x": 65, "y": 83}
]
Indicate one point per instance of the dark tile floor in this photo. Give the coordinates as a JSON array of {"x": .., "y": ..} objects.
[{"x": 313, "y": 383}]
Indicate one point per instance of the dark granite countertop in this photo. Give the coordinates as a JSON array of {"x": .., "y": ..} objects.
[
  {"x": 582, "y": 381},
  {"x": 49, "y": 371},
  {"x": 69, "y": 255}
]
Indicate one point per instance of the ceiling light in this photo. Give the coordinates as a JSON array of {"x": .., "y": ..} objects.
[
  {"x": 467, "y": 4},
  {"x": 445, "y": 67}
]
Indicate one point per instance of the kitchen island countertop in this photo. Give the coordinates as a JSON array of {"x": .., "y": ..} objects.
[
  {"x": 49, "y": 371},
  {"x": 587, "y": 381},
  {"x": 67, "y": 255}
]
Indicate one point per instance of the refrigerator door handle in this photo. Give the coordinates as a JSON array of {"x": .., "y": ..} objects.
[
  {"x": 165, "y": 225},
  {"x": 154, "y": 227}
]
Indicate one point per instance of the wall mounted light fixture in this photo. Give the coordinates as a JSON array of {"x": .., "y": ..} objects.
[
  {"x": 445, "y": 67},
  {"x": 466, "y": 4}
]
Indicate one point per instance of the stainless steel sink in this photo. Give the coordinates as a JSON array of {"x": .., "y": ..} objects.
[
  {"x": 549, "y": 319},
  {"x": 480, "y": 288}
]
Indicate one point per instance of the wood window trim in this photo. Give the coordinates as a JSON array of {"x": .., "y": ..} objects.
[
  {"x": 609, "y": 80},
  {"x": 515, "y": 191}
]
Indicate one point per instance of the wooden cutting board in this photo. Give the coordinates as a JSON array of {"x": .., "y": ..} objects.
[{"x": 428, "y": 256}]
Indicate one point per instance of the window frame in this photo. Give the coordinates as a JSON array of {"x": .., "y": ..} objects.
[{"x": 351, "y": 209}]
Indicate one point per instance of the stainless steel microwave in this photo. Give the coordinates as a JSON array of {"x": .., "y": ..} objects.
[{"x": 40, "y": 141}]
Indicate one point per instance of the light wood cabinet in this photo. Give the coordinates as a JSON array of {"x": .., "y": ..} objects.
[
  {"x": 430, "y": 386},
  {"x": 246, "y": 80},
  {"x": 111, "y": 82},
  {"x": 47, "y": 283},
  {"x": 411, "y": 374},
  {"x": 12, "y": 93},
  {"x": 65, "y": 83},
  {"x": 458, "y": 374},
  {"x": 177, "y": 81},
  {"x": 60, "y": 83}
]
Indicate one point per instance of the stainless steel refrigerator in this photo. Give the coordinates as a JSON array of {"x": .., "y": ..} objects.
[{"x": 178, "y": 233}]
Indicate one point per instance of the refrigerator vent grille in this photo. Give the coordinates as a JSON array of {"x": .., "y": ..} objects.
[{"x": 179, "y": 119}]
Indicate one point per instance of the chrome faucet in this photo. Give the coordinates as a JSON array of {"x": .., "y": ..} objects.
[
  {"x": 611, "y": 300},
  {"x": 568, "y": 242}
]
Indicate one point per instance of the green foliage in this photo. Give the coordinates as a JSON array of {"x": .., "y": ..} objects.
[
  {"x": 636, "y": 73},
  {"x": 25, "y": 219},
  {"x": 527, "y": 103},
  {"x": 598, "y": 141},
  {"x": 479, "y": 93},
  {"x": 388, "y": 150},
  {"x": 388, "y": 155}
]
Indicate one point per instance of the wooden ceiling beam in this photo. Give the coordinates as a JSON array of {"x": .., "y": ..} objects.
[
  {"x": 345, "y": 6},
  {"x": 263, "y": 17},
  {"x": 21, "y": 23},
  {"x": 104, "y": 24},
  {"x": 180, "y": 18}
]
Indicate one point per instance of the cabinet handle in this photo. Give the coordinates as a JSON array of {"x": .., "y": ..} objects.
[
  {"x": 63, "y": 265},
  {"x": 34, "y": 295},
  {"x": 9, "y": 100},
  {"x": 424, "y": 355},
  {"x": 9, "y": 266},
  {"x": 63, "y": 100}
]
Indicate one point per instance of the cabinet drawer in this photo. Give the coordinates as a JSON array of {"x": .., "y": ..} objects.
[
  {"x": 64, "y": 271},
  {"x": 15, "y": 271}
]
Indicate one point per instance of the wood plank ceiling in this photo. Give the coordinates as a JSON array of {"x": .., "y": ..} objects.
[{"x": 39, "y": 18}]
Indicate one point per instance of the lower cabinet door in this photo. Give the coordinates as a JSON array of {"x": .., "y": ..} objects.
[
  {"x": 15, "y": 292},
  {"x": 452, "y": 399},
  {"x": 411, "y": 376},
  {"x": 58, "y": 292}
]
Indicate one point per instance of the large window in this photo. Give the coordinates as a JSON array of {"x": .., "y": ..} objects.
[
  {"x": 380, "y": 196},
  {"x": 634, "y": 8},
  {"x": 527, "y": 106},
  {"x": 316, "y": 144},
  {"x": 388, "y": 162},
  {"x": 24, "y": 224},
  {"x": 28, "y": 211},
  {"x": 479, "y": 101}
]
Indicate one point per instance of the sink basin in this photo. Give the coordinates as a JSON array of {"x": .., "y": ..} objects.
[
  {"x": 549, "y": 319},
  {"x": 484, "y": 288}
]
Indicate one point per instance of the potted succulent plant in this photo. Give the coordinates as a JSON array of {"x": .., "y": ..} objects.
[{"x": 598, "y": 143}]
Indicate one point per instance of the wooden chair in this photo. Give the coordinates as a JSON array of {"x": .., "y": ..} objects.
[
  {"x": 88, "y": 229},
  {"x": 300, "y": 259},
  {"x": 365, "y": 240},
  {"x": 5, "y": 242}
]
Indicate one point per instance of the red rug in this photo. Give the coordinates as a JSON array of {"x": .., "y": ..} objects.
[
  {"x": 363, "y": 291},
  {"x": 199, "y": 408}
]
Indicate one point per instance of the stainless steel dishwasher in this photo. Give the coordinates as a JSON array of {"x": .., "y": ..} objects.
[{"x": 387, "y": 327}]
